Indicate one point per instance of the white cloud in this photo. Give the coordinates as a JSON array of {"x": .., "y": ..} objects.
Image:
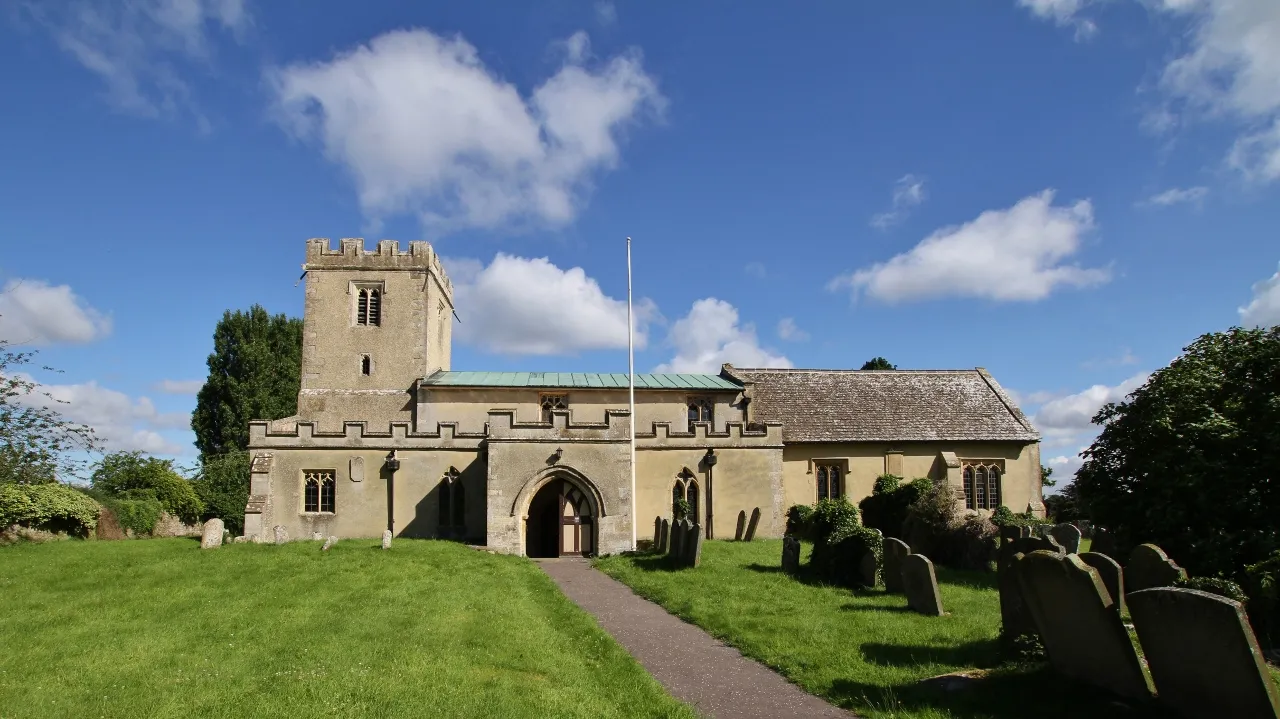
[
  {"x": 135, "y": 47},
  {"x": 606, "y": 13},
  {"x": 36, "y": 313},
  {"x": 1126, "y": 357},
  {"x": 423, "y": 127},
  {"x": 121, "y": 422},
  {"x": 520, "y": 305},
  {"x": 1072, "y": 415},
  {"x": 180, "y": 386},
  {"x": 709, "y": 336},
  {"x": 1066, "y": 13},
  {"x": 1264, "y": 309},
  {"x": 1064, "y": 469},
  {"x": 908, "y": 192},
  {"x": 1177, "y": 196},
  {"x": 788, "y": 330},
  {"x": 1007, "y": 255},
  {"x": 755, "y": 269}
]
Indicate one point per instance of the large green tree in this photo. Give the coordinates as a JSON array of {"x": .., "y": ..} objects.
[
  {"x": 254, "y": 373},
  {"x": 1189, "y": 460},
  {"x": 878, "y": 363}
]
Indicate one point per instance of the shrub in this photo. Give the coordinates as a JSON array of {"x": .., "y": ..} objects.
[
  {"x": 1214, "y": 585},
  {"x": 50, "y": 507},
  {"x": 1262, "y": 584},
  {"x": 886, "y": 483},
  {"x": 222, "y": 484},
  {"x": 139, "y": 515},
  {"x": 833, "y": 521},
  {"x": 846, "y": 556},
  {"x": 800, "y": 521},
  {"x": 886, "y": 507},
  {"x": 1005, "y": 517},
  {"x": 681, "y": 508},
  {"x": 129, "y": 475},
  {"x": 935, "y": 528}
]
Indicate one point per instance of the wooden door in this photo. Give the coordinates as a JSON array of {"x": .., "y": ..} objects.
[{"x": 576, "y": 525}]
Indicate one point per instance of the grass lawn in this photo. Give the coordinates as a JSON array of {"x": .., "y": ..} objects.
[
  {"x": 861, "y": 650},
  {"x": 159, "y": 628}
]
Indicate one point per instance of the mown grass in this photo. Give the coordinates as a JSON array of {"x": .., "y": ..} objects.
[
  {"x": 861, "y": 650},
  {"x": 160, "y": 628}
]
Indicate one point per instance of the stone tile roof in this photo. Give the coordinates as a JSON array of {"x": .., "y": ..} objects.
[
  {"x": 580, "y": 380},
  {"x": 883, "y": 405}
]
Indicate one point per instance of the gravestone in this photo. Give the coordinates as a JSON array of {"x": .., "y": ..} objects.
[
  {"x": 212, "y": 536},
  {"x": 386, "y": 539},
  {"x": 316, "y": 536},
  {"x": 282, "y": 535},
  {"x": 657, "y": 533},
  {"x": 921, "y": 585},
  {"x": 742, "y": 526},
  {"x": 1010, "y": 533},
  {"x": 1110, "y": 573},
  {"x": 328, "y": 544},
  {"x": 1015, "y": 621},
  {"x": 753, "y": 524},
  {"x": 1079, "y": 625},
  {"x": 1068, "y": 535},
  {"x": 693, "y": 552},
  {"x": 1104, "y": 542},
  {"x": 1203, "y": 655},
  {"x": 895, "y": 550},
  {"x": 790, "y": 555},
  {"x": 1149, "y": 567},
  {"x": 240, "y": 540},
  {"x": 677, "y": 540},
  {"x": 664, "y": 537},
  {"x": 867, "y": 569}
]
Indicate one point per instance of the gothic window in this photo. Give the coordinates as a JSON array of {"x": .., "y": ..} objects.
[
  {"x": 980, "y": 487},
  {"x": 551, "y": 402},
  {"x": 982, "y": 484},
  {"x": 369, "y": 307},
  {"x": 318, "y": 486},
  {"x": 829, "y": 481},
  {"x": 968, "y": 487},
  {"x": 686, "y": 488},
  {"x": 701, "y": 409}
]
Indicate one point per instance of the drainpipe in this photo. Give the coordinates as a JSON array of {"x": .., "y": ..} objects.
[{"x": 710, "y": 460}]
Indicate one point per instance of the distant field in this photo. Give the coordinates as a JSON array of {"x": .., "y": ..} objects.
[{"x": 159, "y": 628}]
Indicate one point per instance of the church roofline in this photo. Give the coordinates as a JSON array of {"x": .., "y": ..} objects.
[{"x": 582, "y": 380}]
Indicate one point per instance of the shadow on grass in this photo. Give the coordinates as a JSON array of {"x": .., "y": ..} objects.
[
  {"x": 967, "y": 578},
  {"x": 983, "y": 653},
  {"x": 655, "y": 563},
  {"x": 873, "y": 608}
]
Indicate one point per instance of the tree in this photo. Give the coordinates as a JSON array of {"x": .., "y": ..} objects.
[
  {"x": 1188, "y": 461},
  {"x": 36, "y": 442},
  {"x": 222, "y": 483},
  {"x": 878, "y": 363},
  {"x": 1045, "y": 474},
  {"x": 254, "y": 373},
  {"x": 130, "y": 475}
]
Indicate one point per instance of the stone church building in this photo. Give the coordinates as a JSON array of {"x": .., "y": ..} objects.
[{"x": 389, "y": 436}]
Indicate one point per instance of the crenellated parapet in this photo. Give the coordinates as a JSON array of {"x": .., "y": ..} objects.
[
  {"x": 735, "y": 434},
  {"x": 357, "y": 435},
  {"x": 386, "y": 256}
]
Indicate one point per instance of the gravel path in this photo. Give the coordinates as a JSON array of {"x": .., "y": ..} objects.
[{"x": 695, "y": 668}]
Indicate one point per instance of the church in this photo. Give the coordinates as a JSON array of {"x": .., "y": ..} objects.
[{"x": 389, "y": 436}]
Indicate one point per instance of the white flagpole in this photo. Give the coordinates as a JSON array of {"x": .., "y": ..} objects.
[{"x": 631, "y": 386}]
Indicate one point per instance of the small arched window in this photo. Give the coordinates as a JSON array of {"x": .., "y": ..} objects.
[
  {"x": 318, "y": 488},
  {"x": 968, "y": 488},
  {"x": 366, "y": 365},
  {"x": 691, "y": 496}
]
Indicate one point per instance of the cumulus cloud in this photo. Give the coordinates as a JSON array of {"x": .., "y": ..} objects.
[
  {"x": 789, "y": 331},
  {"x": 1073, "y": 414},
  {"x": 908, "y": 192},
  {"x": 519, "y": 305},
  {"x": 1016, "y": 254},
  {"x": 33, "y": 312},
  {"x": 138, "y": 48},
  {"x": 180, "y": 386},
  {"x": 1066, "y": 13},
  {"x": 1264, "y": 309},
  {"x": 710, "y": 335},
  {"x": 1177, "y": 196},
  {"x": 423, "y": 127},
  {"x": 121, "y": 422}
]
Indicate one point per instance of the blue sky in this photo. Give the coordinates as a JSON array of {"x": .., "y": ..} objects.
[{"x": 1065, "y": 192}]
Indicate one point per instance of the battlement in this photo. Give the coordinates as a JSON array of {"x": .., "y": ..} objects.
[{"x": 351, "y": 255}]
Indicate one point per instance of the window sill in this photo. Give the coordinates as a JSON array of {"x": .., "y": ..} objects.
[{"x": 317, "y": 514}]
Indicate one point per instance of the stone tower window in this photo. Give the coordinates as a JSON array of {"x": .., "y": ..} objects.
[
  {"x": 318, "y": 486},
  {"x": 366, "y": 365},
  {"x": 369, "y": 307},
  {"x": 701, "y": 409},
  {"x": 551, "y": 402},
  {"x": 981, "y": 484}
]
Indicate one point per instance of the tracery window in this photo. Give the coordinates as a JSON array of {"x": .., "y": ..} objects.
[
  {"x": 701, "y": 409},
  {"x": 829, "y": 477},
  {"x": 318, "y": 486},
  {"x": 369, "y": 307},
  {"x": 981, "y": 484},
  {"x": 686, "y": 488},
  {"x": 552, "y": 402}
]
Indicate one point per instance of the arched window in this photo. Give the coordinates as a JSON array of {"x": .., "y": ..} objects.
[
  {"x": 829, "y": 484},
  {"x": 982, "y": 484},
  {"x": 691, "y": 496},
  {"x": 701, "y": 409},
  {"x": 993, "y": 487},
  {"x": 980, "y": 487},
  {"x": 369, "y": 307},
  {"x": 317, "y": 494},
  {"x": 677, "y": 494},
  {"x": 968, "y": 488}
]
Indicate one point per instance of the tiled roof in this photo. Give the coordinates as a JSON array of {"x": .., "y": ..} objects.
[
  {"x": 578, "y": 380},
  {"x": 883, "y": 405}
]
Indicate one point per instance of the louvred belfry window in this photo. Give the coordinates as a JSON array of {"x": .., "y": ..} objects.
[{"x": 369, "y": 307}]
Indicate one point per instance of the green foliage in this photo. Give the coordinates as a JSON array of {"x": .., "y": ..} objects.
[
  {"x": 1045, "y": 473},
  {"x": 254, "y": 373},
  {"x": 1262, "y": 585},
  {"x": 1005, "y": 517},
  {"x": 800, "y": 521},
  {"x": 222, "y": 484},
  {"x": 52, "y": 507},
  {"x": 886, "y": 507},
  {"x": 36, "y": 443},
  {"x": 878, "y": 363},
  {"x": 681, "y": 508},
  {"x": 140, "y": 515},
  {"x": 130, "y": 475},
  {"x": 1214, "y": 585},
  {"x": 1188, "y": 460},
  {"x": 936, "y": 528},
  {"x": 1065, "y": 505},
  {"x": 833, "y": 521}
]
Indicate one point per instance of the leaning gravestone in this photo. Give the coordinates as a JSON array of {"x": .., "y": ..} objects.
[
  {"x": 664, "y": 538},
  {"x": 895, "y": 550},
  {"x": 1110, "y": 573},
  {"x": 790, "y": 555},
  {"x": 1015, "y": 621},
  {"x": 1149, "y": 567},
  {"x": 328, "y": 544},
  {"x": 921, "y": 585},
  {"x": 867, "y": 569},
  {"x": 693, "y": 548},
  {"x": 752, "y": 525},
  {"x": 1203, "y": 655},
  {"x": 742, "y": 526},
  {"x": 657, "y": 533},
  {"x": 386, "y": 539},
  {"x": 282, "y": 534},
  {"x": 1068, "y": 535},
  {"x": 1080, "y": 628},
  {"x": 212, "y": 536}
]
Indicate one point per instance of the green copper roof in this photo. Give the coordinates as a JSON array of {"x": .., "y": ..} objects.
[{"x": 616, "y": 380}]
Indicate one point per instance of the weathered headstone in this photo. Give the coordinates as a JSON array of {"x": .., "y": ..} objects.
[
  {"x": 1103, "y": 542},
  {"x": 677, "y": 540},
  {"x": 1202, "y": 654},
  {"x": 1080, "y": 628},
  {"x": 790, "y": 555},
  {"x": 693, "y": 552},
  {"x": 895, "y": 550},
  {"x": 1009, "y": 533},
  {"x": 921, "y": 585},
  {"x": 240, "y": 540},
  {"x": 1111, "y": 574},
  {"x": 1015, "y": 620},
  {"x": 742, "y": 526},
  {"x": 1149, "y": 567},
  {"x": 657, "y": 533},
  {"x": 664, "y": 537},
  {"x": 328, "y": 544},
  {"x": 317, "y": 537},
  {"x": 386, "y": 539},
  {"x": 867, "y": 569},
  {"x": 282, "y": 534},
  {"x": 212, "y": 536},
  {"x": 753, "y": 524},
  {"x": 1068, "y": 535}
]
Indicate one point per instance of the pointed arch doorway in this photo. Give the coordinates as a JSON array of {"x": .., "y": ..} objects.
[{"x": 561, "y": 521}]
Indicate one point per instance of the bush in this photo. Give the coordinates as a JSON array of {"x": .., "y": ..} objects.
[
  {"x": 935, "y": 528},
  {"x": 1005, "y": 517},
  {"x": 1214, "y": 585},
  {"x": 222, "y": 484},
  {"x": 129, "y": 475},
  {"x": 139, "y": 515},
  {"x": 800, "y": 521},
  {"x": 833, "y": 521},
  {"x": 1262, "y": 585},
  {"x": 886, "y": 507},
  {"x": 49, "y": 507}
]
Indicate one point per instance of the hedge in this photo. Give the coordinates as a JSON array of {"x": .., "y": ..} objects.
[
  {"x": 51, "y": 507},
  {"x": 886, "y": 507}
]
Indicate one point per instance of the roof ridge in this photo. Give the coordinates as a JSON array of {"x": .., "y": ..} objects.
[{"x": 782, "y": 370}]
